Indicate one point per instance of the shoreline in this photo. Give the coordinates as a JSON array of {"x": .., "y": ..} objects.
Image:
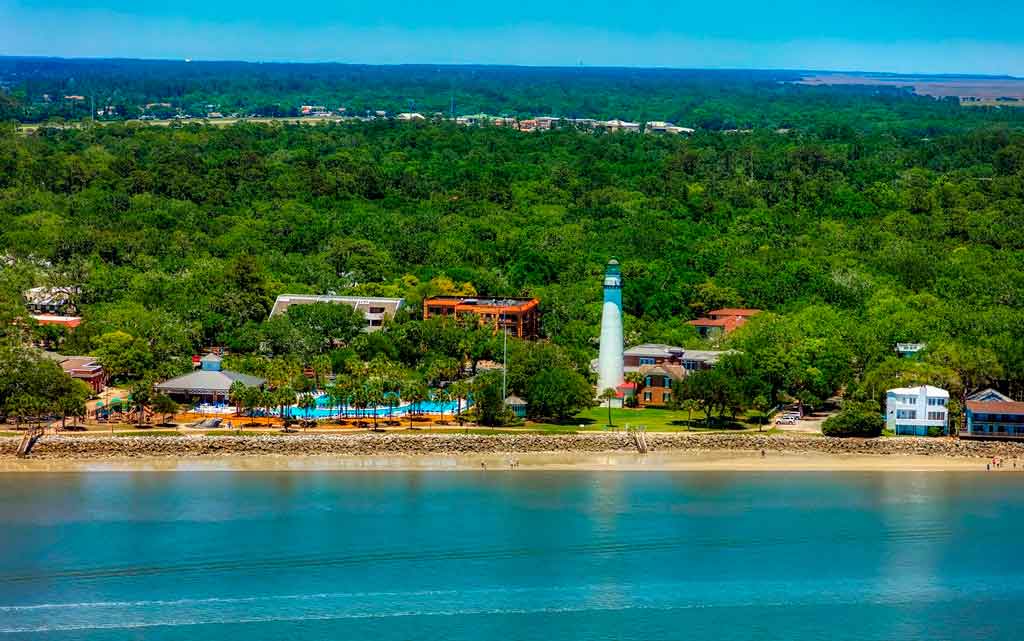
[
  {"x": 691, "y": 461},
  {"x": 461, "y": 452}
]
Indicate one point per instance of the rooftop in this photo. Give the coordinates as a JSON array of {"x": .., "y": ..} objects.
[
  {"x": 207, "y": 381},
  {"x": 481, "y": 302},
  {"x": 988, "y": 394},
  {"x": 930, "y": 390},
  {"x": 996, "y": 407},
  {"x": 282, "y": 302},
  {"x": 734, "y": 311},
  {"x": 53, "y": 319}
]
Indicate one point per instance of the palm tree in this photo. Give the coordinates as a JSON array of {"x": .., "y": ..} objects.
[
  {"x": 607, "y": 395},
  {"x": 374, "y": 399},
  {"x": 441, "y": 397},
  {"x": 360, "y": 400},
  {"x": 637, "y": 379},
  {"x": 142, "y": 391},
  {"x": 342, "y": 393},
  {"x": 415, "y": 393},
  {"x": 236, "y": 395},
  {"x": 284, "y": 397},
  {"x": 459, "y": 390},
  {"x": 321, "y": 369},
  {"x": 307, "y": 402}
]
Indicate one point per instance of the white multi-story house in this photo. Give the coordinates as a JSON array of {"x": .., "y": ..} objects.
[{"x": 915, "y": 410}]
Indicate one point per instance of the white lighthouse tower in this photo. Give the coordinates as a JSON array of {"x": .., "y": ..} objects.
[{"x": 609, "y": 361}]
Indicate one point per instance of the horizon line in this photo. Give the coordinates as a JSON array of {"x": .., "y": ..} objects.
[{"x": 185, "y": 60}]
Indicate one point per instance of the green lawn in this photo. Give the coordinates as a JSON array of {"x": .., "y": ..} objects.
[{"x": 651, "y": 419}]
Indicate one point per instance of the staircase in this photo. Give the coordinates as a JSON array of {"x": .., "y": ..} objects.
[
  {"x": 639, "y": 440},
  {"x": 28, "y": 441}
]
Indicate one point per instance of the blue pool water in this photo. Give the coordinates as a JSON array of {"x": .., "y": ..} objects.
[
  {"x": 511, "y": 555},
  {"x": 325, "y": 410}
]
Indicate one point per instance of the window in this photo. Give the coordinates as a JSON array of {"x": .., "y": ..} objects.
[
  {"x": 937, "y": 402},
  {"x": 647, "y": 381},
  {"x": 646, "y": 360},
  {"x": 666, "y": 381},
  {"x": 374, "y": 322},
  {"x": 434, "y": 311},
  {"x": 647, "y": 396},
  {"x": 911, "y": 414},
  {"x": 936, "y": 416},
  {"x": 665, "y": 396},
  {"x": 376, "y": 310}
]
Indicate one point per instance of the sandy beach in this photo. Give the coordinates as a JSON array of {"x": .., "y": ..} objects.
[
  {"x": 604, "y": 451},
  {"x": 727, "y": 460}
]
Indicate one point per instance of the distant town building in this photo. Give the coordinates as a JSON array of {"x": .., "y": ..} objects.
[
  {"x": 619, "y": 125},
  {"x": 722, "y": 321},
  {"x": 915, "y": 411},
  {"x": 410, "y": 116},
  {"x": 906, "y": 350},
  {"x": 661, "y": 127},
  {"x": 520, "y": 316},
  {"x": 375, "y": 309},
  {"x": 210, "y": 383},
  {"x": 51, "y": 300},
  {"x": 314, "y": 110}
]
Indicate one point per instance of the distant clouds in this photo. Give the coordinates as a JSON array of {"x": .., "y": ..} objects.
[{"x": 563, "y": 35}]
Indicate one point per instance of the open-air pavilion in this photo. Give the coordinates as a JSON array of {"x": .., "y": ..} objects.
[{"x": 208, "y": 384}]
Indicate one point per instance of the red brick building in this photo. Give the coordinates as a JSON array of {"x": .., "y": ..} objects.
[{"x": 520, "y": 316}]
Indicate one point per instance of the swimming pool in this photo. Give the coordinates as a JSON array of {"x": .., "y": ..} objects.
[{"x": 325, "y": 410}]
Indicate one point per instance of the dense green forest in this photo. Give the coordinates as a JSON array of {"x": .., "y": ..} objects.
[{"x": 853, "y": 236}]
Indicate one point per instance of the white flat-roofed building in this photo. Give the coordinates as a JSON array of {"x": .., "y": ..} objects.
[
  {"x": 914, "y": 411},
  {"x": 661, "y": 127},
  {"x": 376, "y": 310},
  {"x": 619, "y": 125}
]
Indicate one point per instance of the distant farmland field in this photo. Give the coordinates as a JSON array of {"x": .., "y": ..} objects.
[{"x": 1003, "y": 91}]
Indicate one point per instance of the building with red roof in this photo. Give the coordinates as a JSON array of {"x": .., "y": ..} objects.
[
  {"x": 994, "y": 419},
  {"x": 720, "y": 322}
]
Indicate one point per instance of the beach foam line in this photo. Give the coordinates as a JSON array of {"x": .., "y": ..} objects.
[{"x": 659, "y": 597}]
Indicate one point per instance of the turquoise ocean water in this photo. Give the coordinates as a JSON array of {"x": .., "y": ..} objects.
[{"x": 511, "y": 555}]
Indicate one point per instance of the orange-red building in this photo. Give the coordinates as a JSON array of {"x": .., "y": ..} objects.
[
  {"x": 520, "y": 316},
  {"x": 722, "y": 321}
]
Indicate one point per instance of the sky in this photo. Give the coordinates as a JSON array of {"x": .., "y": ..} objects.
[{"x": 903, "y": 36}]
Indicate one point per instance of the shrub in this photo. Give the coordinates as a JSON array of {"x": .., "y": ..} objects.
[{"x": 854, "y": 420}]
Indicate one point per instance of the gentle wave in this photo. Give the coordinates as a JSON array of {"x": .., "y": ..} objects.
[
  {"x": 613, "y": 547},
  {"x": 545, "y": 600}
]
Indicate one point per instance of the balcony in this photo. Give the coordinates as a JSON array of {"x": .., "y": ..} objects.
[{"x": 993, "y": 436}]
